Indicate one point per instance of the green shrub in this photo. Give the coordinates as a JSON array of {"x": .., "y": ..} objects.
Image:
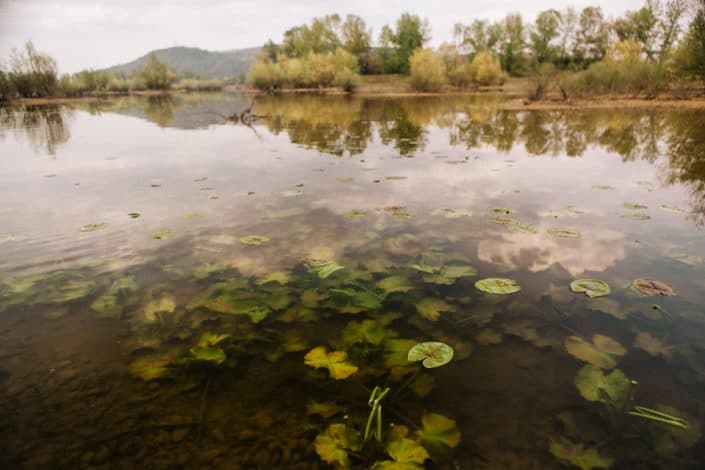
[
  {"x": 428, "y": 72},
  {"x": 32, "y": 74},
  {"x": 347, "y": 80},
  {"x": 195, "y": 84},
  {"x": 155, "y": 75},
  {"x": 265, "y": 75},
  {"x": 117, "y": 85}
]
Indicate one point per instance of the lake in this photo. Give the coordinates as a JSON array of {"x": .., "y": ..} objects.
[{"x": 182, "y": 290}]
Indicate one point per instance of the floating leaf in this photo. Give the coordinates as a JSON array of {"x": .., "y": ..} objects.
[
  {"x": 654, "y": 287},
  {"x": 323, "y": 269},
  {"x": 279, "y": 277},
  {"x": 503, "y": 210},
  {"x": 92, "y": 227},
  {"x": 577, "y": 455},
  {"x": 517, "y": 227},
  {"x": 432, "y": 353},
  {"x": 290, "y": 193},
  {"x": 367, "y": 331},
  {"x": 573, "y": 212},
  {"x": 671, "y": 208},
  {"x": 133, "y": 215},
  {"x": 162, "y": 235},
  {"x": 425, "y": 268},
  {"x": 254, "y": 239},
  {"x": 431, "y": 308},
  {"x": 193, "y": 215},
  {"x": 603, "y": 352},
  {"x": 559, "y": 232},
  {"x": 332, "y": 444},
  {"x": 355, "y": 213},
  {"x": 499, "y": 220},
  {"x": 497, "y": 285},
  {"x": 336, "y": 362},
  {"x": 591, "y": 287},
  {"x": 399, "y": 211},
  {"x": 634, "y": 207},
  {"x": 602, "y": 186},
  {"x": 594, "y": 385},
  {"x": 635, "y": 216},
  {"x": 396, "y": 357},
  {"x": 449, "y": 274},
  {"x": 438, "y": 432}
]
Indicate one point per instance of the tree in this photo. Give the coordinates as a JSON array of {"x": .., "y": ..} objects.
[
  {"x": 5, "y": 87},
  {"x": 639, "y": 26},
  {"x": 546, "y": 31},
  {"x": 568, "y": 31},
  {"x": 691, "y": 52},
  {"x": 410, "y": 34},
  {"x": 592, "y": 36},
  {"x": 512, "y": 44},
  {"x": 427, "y": 70},
  {"x": 480, "y": 36},
  {"x": 32, "y": 73},
  {"x": 356, "y": 40},
  {"x": 320, "y": 37},
  {"x": 155, "y": 75}
]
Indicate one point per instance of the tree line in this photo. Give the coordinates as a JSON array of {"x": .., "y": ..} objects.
[
  {"x": 568, "y": 40},
  {"x": 32, "y": 74}
]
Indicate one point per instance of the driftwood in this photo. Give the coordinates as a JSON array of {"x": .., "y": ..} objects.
[{"x": 245, "y": 117}]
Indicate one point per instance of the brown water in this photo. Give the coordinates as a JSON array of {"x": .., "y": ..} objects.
[{"x": 100, "y": 362}]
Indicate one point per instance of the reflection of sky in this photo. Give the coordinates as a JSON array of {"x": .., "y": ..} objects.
[{"x": 115, "y": 160}]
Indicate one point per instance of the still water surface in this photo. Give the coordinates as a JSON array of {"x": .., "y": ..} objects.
[{"x": 165, "y": 275}]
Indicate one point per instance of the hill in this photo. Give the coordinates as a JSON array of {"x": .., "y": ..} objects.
[{"x": 199, "y": 62}]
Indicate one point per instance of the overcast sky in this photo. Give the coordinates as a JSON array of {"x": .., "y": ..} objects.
[{"x": 99, "y": 33}]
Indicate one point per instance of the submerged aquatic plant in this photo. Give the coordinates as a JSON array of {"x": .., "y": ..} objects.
[
  {"x": 335, "y": 361},
  {"x": 375, "y": 402},
  {"x": 577, "y": 455},
  {"x": 602, "y": 352},
  {"x": 658, "y": 416},
  {"x": 333, "y": 444},
  {"x": 321, "y": 268},
  {"x": 253, "y": 240}
]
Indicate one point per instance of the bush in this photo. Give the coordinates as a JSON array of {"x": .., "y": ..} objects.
[
  {"x": 347, "y": 80},
  {"x": 84, "y": 82},
  {"x": 32, "y": 74},
  {"x": 265, "y": 75},
  {"x": 155, "y": 75},
  {"x": 427, "y": 70},
  {"x": 487, "y": 70},
  {"x": 118, "y": 85},
  {"x": 195, "y": 84}
]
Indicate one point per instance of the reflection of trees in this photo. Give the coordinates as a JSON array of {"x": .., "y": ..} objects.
[
  {"x": 45, "y": 127},
  {"x": 686, "y": 155}
]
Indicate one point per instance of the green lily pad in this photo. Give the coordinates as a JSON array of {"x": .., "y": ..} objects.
[
  {"x": 432, "y": 353},
  {"x": 634, "y": 207},
  {"x": 438, "y": 432},
  {"x": 323, "y": 269},
  {"x": 163, "y": 235},
  {"x": 503, "y": 210},
  {"x": 559, "y": 232},
  {"x": 654, "y": 287},
  {"x": 133, "y": 215},
  {"x": 92, "y": 227},
  {"x": 431, "y": 308},
  {"x": 406, "y": 454},
  {"x": 603, "y": 352},
  {"x": 517, "y": 227},
  {"x": 635, "y": 216},
  {"x": 335, "y": 361},
  {"x": 594, "y": 385},
  {"x": 425, "y": 268},
  {"x": 591, "y": 287},
  {"x": 496, "y": 285},
  {"x": 254, "y": 239},
  {"x": 671, "y": 208},
  {"x": 577, "y": 455},
  {"x": 333, "y": 444}
]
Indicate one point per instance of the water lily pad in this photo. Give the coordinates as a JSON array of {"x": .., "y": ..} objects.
[
  {"x": 559, "y": 232},
  {"x": 573, "y": 212},
  {"x": 497, "y": 285},
  {"x": 671, "y": 208},
  {"x": 367, "y": 331},
  {"x": 133, "y": 215},
  {"x": 503, "y": 210},
  {"x": 162, "y": 235},
  {"x": 253, "y": 239},
  {"x": 399, "y": 211},
  {"x": 500, "y": 220},
  {"x": 335, "y": 361},
  {"x": 333, "y": 444},
  {"x": 396, "y": 357},
  {"x": 92, "y": 227},
  {"x": 603, "y": 352},
  {"x": 193, "y": 215},
  {"x": 406, "y": 454},
  {"x": 577, "y": 455},
  {"x": 635, "y": 216},
  {"x": 594, "y": 385},
  {"x": 517, "y": 227},
  {"x": 438, "y": 432},
  {"x": 634, "y": 207},
  {"x": 355, "y": 213},
  {"x": 432, "y": 353},
  {"x": 591, "y": 287},
  {"x": 426, "y": 268},
  {"x": 431, "y": 308},
  {"x": 654, "y": 287},
  {"x": 323, "y": 269}
]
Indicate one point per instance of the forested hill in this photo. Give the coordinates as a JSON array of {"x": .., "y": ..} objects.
[{"x": 199, "y": 62}]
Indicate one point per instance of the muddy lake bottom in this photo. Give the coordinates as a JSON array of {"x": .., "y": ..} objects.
[{"x": 181, "y": 291}]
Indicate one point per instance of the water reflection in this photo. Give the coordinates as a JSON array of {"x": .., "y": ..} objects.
[{"x": 45, "y": 127}]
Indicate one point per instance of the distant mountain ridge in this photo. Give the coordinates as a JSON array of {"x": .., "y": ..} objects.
[{"x": 199, "y": 62}]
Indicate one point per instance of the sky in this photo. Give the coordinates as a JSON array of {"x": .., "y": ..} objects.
[{"x": 99, "y": 33}]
